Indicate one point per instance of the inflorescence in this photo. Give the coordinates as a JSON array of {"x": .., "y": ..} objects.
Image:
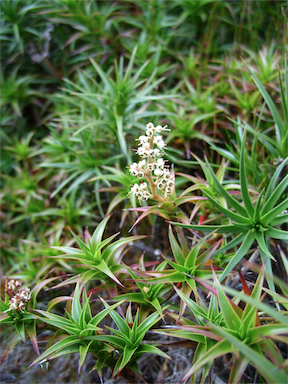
[
  {"x": 18, "y": 297},
  {"x": 152, "y": 166}
]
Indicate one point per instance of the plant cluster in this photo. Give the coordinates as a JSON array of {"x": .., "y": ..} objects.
[{"x": 115, "y": 255}]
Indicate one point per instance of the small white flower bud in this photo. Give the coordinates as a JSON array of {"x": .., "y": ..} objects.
[
  {"x": 170, "y": 183},
  {"x": 150, "y": 126},
  {"x": 140, "y": 174},
  {"x": 133, "y": 169},
  {"x": 135, "y": 189},
  {"x": 143, "y": 139},
  {"x": 142, "y": 164},
  {"x": 157, "y": 152},
  {"x": 158, "y": 129},
  {"x": 145, "y": 195},
  {"x": 158, "y": 172},
  {"x": 143, "y": 186},
  {"x": 160, "y": 163},
  {"x": 159, "y": 142},
  {"x": 166, "y": 174},
  {"x": 149, "y": 132}
]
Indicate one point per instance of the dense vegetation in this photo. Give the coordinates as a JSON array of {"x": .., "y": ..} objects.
[{"x": 144, "y": 191}]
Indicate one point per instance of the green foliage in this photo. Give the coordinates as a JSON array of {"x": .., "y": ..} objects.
[
  {"x": 249, "y": 222},
  {"x": 78, "y": 327},
  {"x": 205, "y": 200},
  {"x": 128, "y": 338}
]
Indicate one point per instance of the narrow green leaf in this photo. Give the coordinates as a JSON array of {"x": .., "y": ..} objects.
[
  {"x": 257, "y": 211},
  {"x": 280, "y": 219},
  {"x": 241, "y": 252},
  {"x": 20, "y": 328},
  {"x": 232, "y": 243},
  {"x": 31, "y": 330},
  {"x": 176, "y": 250},
  {"x": 273, "y": 213},
  {"x": 67, "y": 341},
  {"x": 243, "y": 180},
  {"x": 147, "y": 324},
  {"x": 274, "y": 179},
  {"x": 234, "y": 216},
  {"x": 105, "y": 79},
  {"x": 239, "y": 365},
  {"x": 261, "y": 240},
  {"x": 146, "y": 348},
  {"x": 83, "y": 349},
  {"x": 124, "y": 359},
  {"x": 256, "y": 293},
  {"x": 98, "y": 233},
  {"x": 231, "y": 318},
  {"x": 271, "y": 373},
  {"x": 101, "y": 315},
  {"x": 192, "y": 305},
  {"x": 277, "y": 315},
  {"x": 230, "y": 200},
  {"x": 274, "y": 196},
  {"x": 109, "y": 252},
  {"x": 81, "y": 243},
  {"x": 284, "y": 98},
  {"x": 219, "y": 349},
  {"x": 231, "y": 228},
  {"x": 102, "y": 266},
  {"x": 272, "y": 107},
  {"x": 121, "y": 323},
  {"x": 64, "y": 182},
  {"x": 76, "y": 306}
]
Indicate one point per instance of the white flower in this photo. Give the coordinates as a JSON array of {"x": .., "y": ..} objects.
[
  {"x": 160, "y": 163},
  {"x": 158, "y": 129},
  {"x": 143, "y": 139},
  {"x": 11, "y": 285},
  {"x": 158, "y": 172},
  {"x": 25, "y": 294},
  {"x": 140, "y": 151},
  {"x": 150, "y": 132},
  {"x": 140, "y": 191},
  {"x": 145, "y": 195},
  {"x": 170, "y": 183},
  {"x": 150, "y": 150},
  {"x": 20, "y": 299},
  {"x": 144, "y": 150},
  {"x": 21, "y": 305},
  {"x": 160, "y": 185},
  {"x": 157, "y": 152},
  {"x": 135, "y": 189},
  {"x": 166, "y": 174},
  {"x": 159, "y": 142},
  {"x": 13, "y": 303},
  {"x": 142, "y": 164},
  {"x": 133, "y": 169},
  {"x": 150, "y": 126},
  {"x": 168, "y": 191},
  {"x": 143, "y": 186}
]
